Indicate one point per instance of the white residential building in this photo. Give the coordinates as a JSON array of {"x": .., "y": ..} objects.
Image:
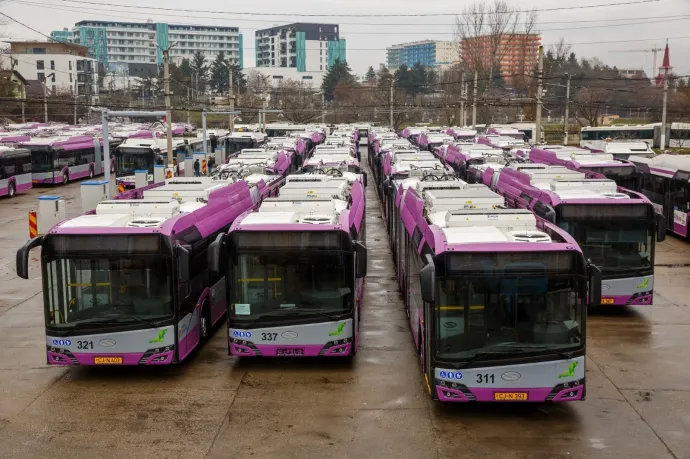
[
  {"x": 430, "y": 53},
  {"x": 275, "y": 76},
  {"x": 305, "y": 47},
  {"x": 63, "y": 67}
]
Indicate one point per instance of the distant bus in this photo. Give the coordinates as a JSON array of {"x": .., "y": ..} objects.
[
  {"x": 664, "y": 180},
  {"x": 296, "y": 270},
  {"x": 129, "y": 284},
  {"x": 15, "y": 170},
  {"x": 62, "y": 159},
  {"x": 677, "y": 135},
  {"x": 593, "y": 164},
  {"x": 595, "y": 138},
  {"x": 143, "y": 154}
]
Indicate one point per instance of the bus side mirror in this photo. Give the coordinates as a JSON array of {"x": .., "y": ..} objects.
[
  {"x": 388, "y": 187},
  {"x": 184, "y": 256},
  {"x": 361, "y": 260},
  {"x": 215, "y": 253},
  {"x": 23, "y": 256},
  {"x": 660, "y": 227},
  {"x": 427, "y": 280},
  {"x": 594, "y": 284},
  {"x": 364, "y": 178}
]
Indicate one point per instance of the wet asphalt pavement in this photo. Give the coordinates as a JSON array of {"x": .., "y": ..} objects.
[{"x": 215, "y": 406}]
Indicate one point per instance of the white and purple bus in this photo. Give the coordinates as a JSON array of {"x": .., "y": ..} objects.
[
  {"x": 295, "y": 270},
  {"x": 616, "y": 228},
  {"x": 593, "y": 164},
  {"x": 496, "y": 300},
  {"x": 128, "y": 283},
  {"x": 15, "y": 171},
  {"x": 460, "y": 156},
  {"x": 664, "y": 179},
  {"x": 143, "y": 154},
  {"x": 250, "y": 161},
  {"x": 62, "y": 159}
]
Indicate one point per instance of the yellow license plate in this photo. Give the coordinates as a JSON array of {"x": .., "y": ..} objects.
[
  {"x": 607, "y": 301},
  {"x": 107, "y": 360},
  {"x": 510, "y": 396}
]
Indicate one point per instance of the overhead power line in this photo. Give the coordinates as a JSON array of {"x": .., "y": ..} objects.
[
  {"x": 147, "y": 15},
  {"x": 359, "y": 15}
]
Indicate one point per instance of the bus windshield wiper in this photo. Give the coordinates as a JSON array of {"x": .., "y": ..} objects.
[
  {"x": 287, "y": 312},
  {"x": 478, "y": 356},
  {"x": 524, "y": 347},
  {"x": 137, "y": 319}
]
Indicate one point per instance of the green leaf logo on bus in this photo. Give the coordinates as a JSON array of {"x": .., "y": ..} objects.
[
  {"x": 571, "y": 371},
  {"x": 159, "y": 338},
  {"x": 644, "y": 283},
  {"x": 339, "y": 330}
]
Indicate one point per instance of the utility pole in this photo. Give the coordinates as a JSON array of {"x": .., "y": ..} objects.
[
  {"x": 462, "y": 99},
  {"x": 231, "y": 100},
  {"x": 168, "y": 110},
  {"x": 666, "y": 66},
  {"x": 391, "y": 101},
  {"x": 474, "y": 100},
  {"x": 567, "y": 112},
  {"x": 540, "y": 90},
  {"x": 323, "y": 107},
  {"x": 76, "y": 100},
  {"x": 663, "y": 112}
]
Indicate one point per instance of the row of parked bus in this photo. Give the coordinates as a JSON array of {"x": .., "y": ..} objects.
[
  {"x": 495, "y": 295},
  {"x": 143, "y": 278}
]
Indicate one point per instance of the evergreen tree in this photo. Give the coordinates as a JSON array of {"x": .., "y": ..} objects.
[
  {"x": 186, "y": 69},
  {"x": 220, "y": 74},
  {"x": 384, "y": 77},
  {"x": 338, "y": 74},
  {"x": 371, "y": 74},
  {"x": 200, "y": 71}
]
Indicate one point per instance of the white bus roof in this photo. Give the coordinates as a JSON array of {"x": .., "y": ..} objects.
[
  {"x": 569, "y": 184},
  {"x": 665, "y": 164}
]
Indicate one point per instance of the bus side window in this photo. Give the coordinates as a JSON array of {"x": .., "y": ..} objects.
[{"x": 544, "y": 211}]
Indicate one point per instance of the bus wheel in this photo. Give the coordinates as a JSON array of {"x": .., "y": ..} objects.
[
  {"x": 11, "y": 191},
  {"x": 90, "y": 173},
  {"x": 204, "y": 324},
  {"x": 65, "y": 178}
]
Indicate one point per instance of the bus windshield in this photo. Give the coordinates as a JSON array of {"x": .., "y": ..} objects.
[
  {"x": 270, "y": 283},
  {"x": 107, "y": 291},
  {"x": 130, "y": 160},
  {"x": 515, "y": 311},
  {"x": 43, "y": 160},
  {"x": 616, "y": 241}
]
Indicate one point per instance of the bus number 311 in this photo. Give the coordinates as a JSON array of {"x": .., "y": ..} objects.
[{"x": 485, "y": 378}]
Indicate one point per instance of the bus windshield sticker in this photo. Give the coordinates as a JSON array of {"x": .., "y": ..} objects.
[{"x": 242, "y": 309}]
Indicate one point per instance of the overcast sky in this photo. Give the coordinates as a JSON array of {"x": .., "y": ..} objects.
[{"x": 631, "y": 27}]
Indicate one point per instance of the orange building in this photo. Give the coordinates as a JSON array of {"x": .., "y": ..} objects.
[{"x": 515, "y": 54}]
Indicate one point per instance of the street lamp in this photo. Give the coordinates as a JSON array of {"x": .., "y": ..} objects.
[
  {"x": 323, "y": 105},
  {"x": 45, "y": 95}
]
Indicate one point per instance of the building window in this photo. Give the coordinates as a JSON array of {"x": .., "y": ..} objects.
[
  {"x": 70, "y": 65},
  {"x": 39, "y": 65},
  {"x": 52, "y": 65},
  {"x": 70, "y": 77},
  {"x": 41, "y": 77},
  {"x": 54, "y": 90},
  {"x": 306, "y": 77},
  {"x": 39, "y": 50}
]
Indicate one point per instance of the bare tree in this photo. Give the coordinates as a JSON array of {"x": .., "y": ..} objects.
[
  {"x": 297, "y": 101},
  {"x": 488, "y": 34}
]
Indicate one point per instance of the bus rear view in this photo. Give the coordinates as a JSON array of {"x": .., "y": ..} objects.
[{"x": 296, "y": 271}]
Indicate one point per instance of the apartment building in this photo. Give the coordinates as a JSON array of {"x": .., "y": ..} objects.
[
  {"x": 115, "y": 44},
  {"x": 62, "y": 67},
  {"x": 64, "y": 35},
  {"x": 430, "y": 53},
  {"x": 307, "y": 47},
  {"x": 514, "y": 54}
]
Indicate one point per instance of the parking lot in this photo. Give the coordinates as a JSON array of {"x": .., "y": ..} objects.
[{"x": 637, "y": 370}]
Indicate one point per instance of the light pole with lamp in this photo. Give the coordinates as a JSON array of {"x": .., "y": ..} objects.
[{"x": 45, "y": 95}]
